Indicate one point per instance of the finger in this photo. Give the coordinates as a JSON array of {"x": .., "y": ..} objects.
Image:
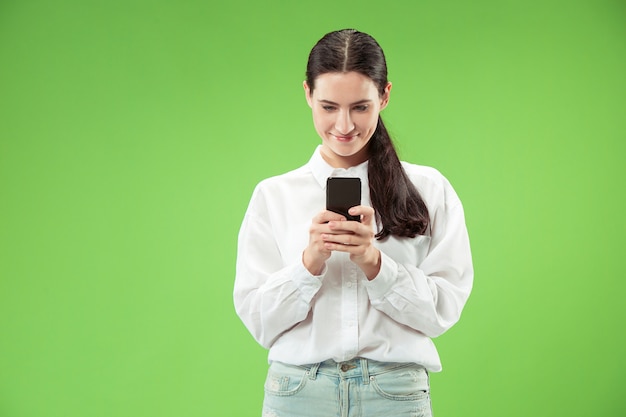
[
  {"x": 328, "y": 216},
  {"x": 349, "y": 227},
  {"x": 338, "y": 247},
  {"x": 366, "y": 213},
  {"x": 340, "y": 239}
]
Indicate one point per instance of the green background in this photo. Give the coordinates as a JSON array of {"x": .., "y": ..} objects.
[{"x": 133, "y": 132}]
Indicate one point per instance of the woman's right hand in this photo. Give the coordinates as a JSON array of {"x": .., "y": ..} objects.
[{"x": 315, "y": 254}]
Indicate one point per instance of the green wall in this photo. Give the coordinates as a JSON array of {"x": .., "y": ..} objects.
[{"x": 133, "y": 132}]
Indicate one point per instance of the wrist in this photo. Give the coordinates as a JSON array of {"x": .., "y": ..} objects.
[
  {"x": 371, "y": 267},
  {"x": 314, "y": 267}
]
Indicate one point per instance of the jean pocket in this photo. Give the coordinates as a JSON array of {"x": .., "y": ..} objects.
[
  {"x": 405, "y": 384},
  {"x": 285, "y": 380}
]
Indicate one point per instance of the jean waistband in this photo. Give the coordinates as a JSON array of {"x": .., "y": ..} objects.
[{"x": 355, "y": 368}]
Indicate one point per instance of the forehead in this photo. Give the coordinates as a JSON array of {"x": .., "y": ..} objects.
[{"x": 344, "y": 86}]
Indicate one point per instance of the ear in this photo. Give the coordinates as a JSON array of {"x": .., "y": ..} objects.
[
  {"x": 384, "y": 100},
  {"x": 307, "y": 93}
]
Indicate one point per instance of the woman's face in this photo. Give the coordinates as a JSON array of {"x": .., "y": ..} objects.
[{"x": 345, "y": 114}]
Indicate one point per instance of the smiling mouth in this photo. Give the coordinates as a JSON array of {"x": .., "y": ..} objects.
[{"x": 344, "y": 138}]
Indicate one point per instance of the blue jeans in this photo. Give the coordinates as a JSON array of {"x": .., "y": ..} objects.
[{"x": 359, "y": 387}]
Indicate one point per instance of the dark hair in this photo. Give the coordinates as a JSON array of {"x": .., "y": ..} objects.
[{"x": 398, "y": 205}]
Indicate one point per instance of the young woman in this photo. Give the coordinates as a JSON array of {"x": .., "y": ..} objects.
[{"x": 347, "y": 309}]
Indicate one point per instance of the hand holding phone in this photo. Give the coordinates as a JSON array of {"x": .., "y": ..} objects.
[{"x": 342, "y": 193}]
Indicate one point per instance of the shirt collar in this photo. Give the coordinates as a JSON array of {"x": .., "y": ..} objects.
[{"x": 322, "y": 170}]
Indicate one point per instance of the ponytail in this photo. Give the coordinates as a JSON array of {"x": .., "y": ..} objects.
[{"x": 399, "y": 207}]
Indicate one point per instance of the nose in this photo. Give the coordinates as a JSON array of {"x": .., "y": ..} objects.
[{"x": 344, "y": 124}]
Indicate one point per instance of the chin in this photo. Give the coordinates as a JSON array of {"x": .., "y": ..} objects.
[
  {"x": 349, "y": 149},
  {"x": 345, "y": 150}
]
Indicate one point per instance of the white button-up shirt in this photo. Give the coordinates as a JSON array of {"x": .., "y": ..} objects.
[{"x": 418, "y": 294}]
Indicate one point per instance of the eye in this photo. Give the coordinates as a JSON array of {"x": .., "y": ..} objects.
[
  {"x": 328, "y": 108},
  {"x": 361, "y": 108}
]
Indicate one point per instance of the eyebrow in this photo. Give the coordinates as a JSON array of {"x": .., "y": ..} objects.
[{"x": 364, "y": 101}]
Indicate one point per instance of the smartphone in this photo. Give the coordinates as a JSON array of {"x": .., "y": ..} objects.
[{"x": 343, "y": 193}]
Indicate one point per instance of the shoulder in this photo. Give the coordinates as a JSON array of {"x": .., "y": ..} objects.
[
  {"x": 283, "y": 186},
  {"x": 431, "y": 183},
  {"x": 287, "y": 179},
  {"x": 283, "y": 196},
  {"x": 424, "y": 174}
]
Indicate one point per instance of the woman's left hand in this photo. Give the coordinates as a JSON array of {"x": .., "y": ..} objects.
[{"x": 357, "y": 239}]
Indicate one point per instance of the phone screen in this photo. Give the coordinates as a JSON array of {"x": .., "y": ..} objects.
[{"x": 343, "y": 193}]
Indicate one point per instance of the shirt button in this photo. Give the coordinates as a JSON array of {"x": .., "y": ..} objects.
[
  {"x": 349, "y": 285},
  {"x": 345, "y": 367}
]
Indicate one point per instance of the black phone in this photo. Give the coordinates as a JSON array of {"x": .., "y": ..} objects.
[{"x": 343, "y": 193}]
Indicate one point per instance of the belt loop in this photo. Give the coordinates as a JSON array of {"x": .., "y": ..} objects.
[
  {"x": 312, "y": 372},
  {"x": 365, "y": 371}
]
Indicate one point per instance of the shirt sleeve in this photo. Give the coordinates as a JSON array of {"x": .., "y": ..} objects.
[
  {"x": 269, "y": 297},
  {"x": 429, "y": 297}
]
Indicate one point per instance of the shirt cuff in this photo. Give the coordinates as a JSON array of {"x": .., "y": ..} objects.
[{"x": 384, "y": 281}]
